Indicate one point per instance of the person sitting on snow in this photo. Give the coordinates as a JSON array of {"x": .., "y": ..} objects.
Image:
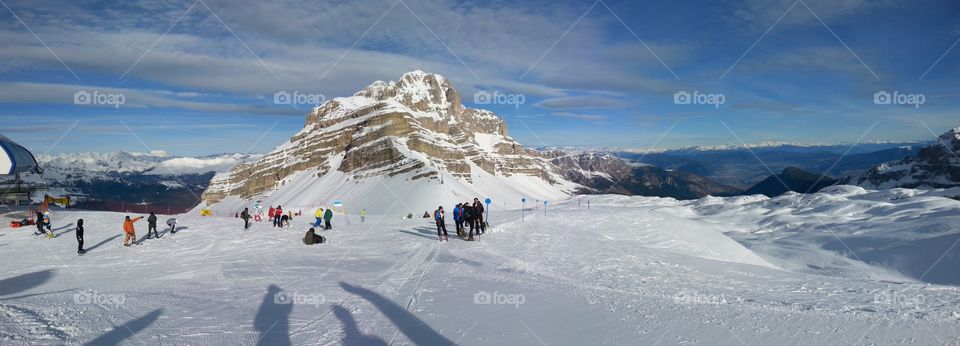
[{"x": 311, "y": 238}]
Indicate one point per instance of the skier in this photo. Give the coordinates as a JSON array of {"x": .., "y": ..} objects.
[
  {"x": 173, "y": 225},
  {"x": 319, "y": 216},
  {"x": 79, "y": 231},
  {"x": 39, "y": 223},
  {"x": 363, "y": 215},
  {"x": 245, "y": 215},
  {"x": 481, "y": 223},
  {"x": 311, "y": 238},
  {"x": 469, "y": 214},
  {"x": 131, "y": 233},
  {"x": 270, "y": 215},
  {"x": 277, "y": 214},
  {"x": 152, "y": 226},
  {"x": 441, "y": 224},
  {"x": 47, "y": 224},
  {"x": 456, "y": 217},
  {"x": 284, "y": 221},
  {"x": 327, "y": 216}
]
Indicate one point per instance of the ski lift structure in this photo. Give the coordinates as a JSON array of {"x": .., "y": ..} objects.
[{"x": 15, "y": 160}]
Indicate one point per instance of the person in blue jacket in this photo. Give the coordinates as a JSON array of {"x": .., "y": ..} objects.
[{"x": 456, "y": 217}]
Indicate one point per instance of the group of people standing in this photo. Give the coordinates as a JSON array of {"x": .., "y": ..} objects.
[
  {"x": 131, "y": 232},
  {"x": 464, "y": 215}
]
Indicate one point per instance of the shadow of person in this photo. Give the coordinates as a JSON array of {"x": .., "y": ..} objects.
[
  {"x": 24, "y": 282},
  {"x": 102, "y": 242},
  {"x": 352, "y": 334},
  {"x": 67, "y": 228},
  {"x": 123, "y": 332},
  {"x": 418, "y": 234},
  {"x": 272, "y": 321},
  {"x": 409, "y": 324}
]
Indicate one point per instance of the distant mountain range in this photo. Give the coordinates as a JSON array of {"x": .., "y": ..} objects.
[
  {"x": 742, "y": 169},
  {"x": 121, "y": 181}
]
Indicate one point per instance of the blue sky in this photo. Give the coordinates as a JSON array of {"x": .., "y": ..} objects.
[{"x": 198, "y": 77}]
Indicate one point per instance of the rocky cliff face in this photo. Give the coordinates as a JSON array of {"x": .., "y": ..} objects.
[
  {"x": 935, "y": 166},
  {"x": 415, "y": 128}
]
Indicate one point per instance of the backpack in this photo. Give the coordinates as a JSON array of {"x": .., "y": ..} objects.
[{"x": 436, "y": 216}]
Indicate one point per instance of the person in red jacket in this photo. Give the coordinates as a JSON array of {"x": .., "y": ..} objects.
[
  {"x": 276, "y": 217},
  {"x": 130, "y": 231}
]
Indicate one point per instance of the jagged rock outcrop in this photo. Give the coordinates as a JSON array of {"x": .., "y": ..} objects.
[
  {"x": 416, "y": 127},
  {"x": 935, "y": 166}
]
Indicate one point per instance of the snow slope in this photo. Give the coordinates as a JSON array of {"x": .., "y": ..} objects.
[{"x": 626, "y": 271}]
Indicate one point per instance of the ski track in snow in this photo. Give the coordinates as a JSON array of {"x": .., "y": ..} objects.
[{"x": 630, "y": 270}]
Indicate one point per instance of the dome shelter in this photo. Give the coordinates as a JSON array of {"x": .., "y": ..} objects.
[{"x": 15, "y": 159}]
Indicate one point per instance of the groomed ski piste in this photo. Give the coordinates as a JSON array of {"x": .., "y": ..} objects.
[{"x": 846, "y": 266}]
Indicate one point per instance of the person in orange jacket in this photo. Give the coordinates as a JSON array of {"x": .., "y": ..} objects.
[{"x": 130, "y": 231}]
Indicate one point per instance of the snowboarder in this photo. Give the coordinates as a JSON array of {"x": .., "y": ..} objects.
[
  {"x": 79, "y": 232},
  {"x": 327, "y": 216},
  {"x": 152, "y": 226},
  {"x": 363, "y": 215},
  {"x": 270, "y": 215},
  {"x": 131, "y": 233},
  {"x": 277, "y": 215},
  {"x": 284, "y": 221},
  {"x": 311, "y": 238},
  {"x": 173, "y": 225},
  {"x": 245, "y": 215},
  {"x": 439, "y": 216},
  {"x": 319, "y": 216}
]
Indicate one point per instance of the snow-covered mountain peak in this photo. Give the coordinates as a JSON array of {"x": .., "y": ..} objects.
[
  {"x": 427, "y": 93},
  {"x": 951, "y": 137},
  {"x": 413, "y": 129}
]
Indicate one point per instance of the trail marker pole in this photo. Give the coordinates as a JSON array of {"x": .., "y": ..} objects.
[
  {"x": 487, "y": 219},
  {"x": 523, "y": 208}
]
